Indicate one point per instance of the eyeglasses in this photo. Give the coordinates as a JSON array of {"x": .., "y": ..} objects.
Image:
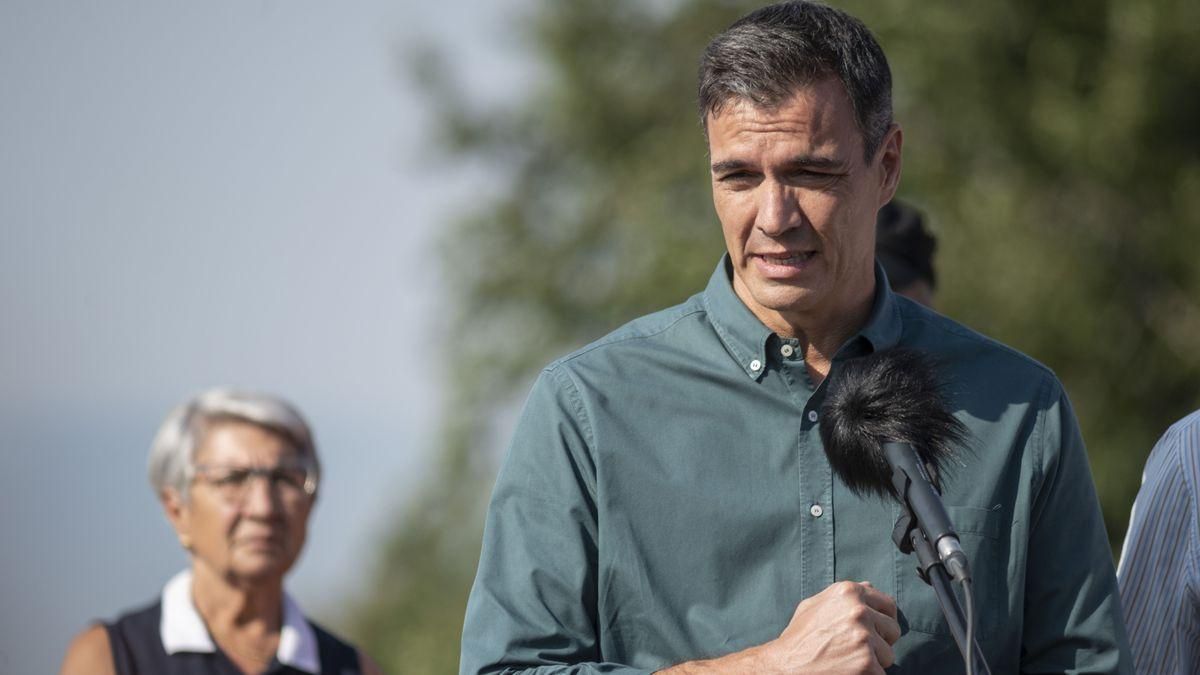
[{"x": 291, "y": 483}]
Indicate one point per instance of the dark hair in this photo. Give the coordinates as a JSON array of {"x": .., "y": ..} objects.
[
  {"x": 903, "y": 245},
  {"x": 767, "y": 54}
]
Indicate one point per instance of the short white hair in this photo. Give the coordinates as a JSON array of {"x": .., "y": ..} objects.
[{"x": 174, "y": 449}]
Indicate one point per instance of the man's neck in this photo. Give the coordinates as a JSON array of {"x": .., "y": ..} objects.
[{"x": 823, "y": 331}]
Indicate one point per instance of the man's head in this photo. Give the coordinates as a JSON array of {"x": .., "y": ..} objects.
[
  {"x": 796, "y": 101},
  {"x": 766, "y": 55}
]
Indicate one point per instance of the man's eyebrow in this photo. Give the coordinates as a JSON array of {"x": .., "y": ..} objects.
[
  {"x": 797, "y": 162},
  {"x": 729, "y": 165},
  {"x": 823, "y": 163}
]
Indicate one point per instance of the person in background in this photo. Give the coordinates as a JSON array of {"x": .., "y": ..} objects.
[
  {"x": 237, "y": 475},
  {"x": 905, "y": 249},
  {"x": 1159, "y": 573}
]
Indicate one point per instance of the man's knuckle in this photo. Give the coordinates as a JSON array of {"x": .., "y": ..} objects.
[{"x": 846, "y": 588}]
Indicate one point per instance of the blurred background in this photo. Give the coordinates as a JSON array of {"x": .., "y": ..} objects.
[{"x": 395, "y": 213}]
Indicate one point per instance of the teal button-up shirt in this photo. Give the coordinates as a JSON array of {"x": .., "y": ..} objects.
[{"x": 666, "y": 498}]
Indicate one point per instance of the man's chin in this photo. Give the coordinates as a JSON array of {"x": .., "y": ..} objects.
[{"x": 785, "y": 299}]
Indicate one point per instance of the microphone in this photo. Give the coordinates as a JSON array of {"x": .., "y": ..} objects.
[{"x": 886, "y": 432}]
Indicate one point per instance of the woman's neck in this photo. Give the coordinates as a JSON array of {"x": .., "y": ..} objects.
[
  {"x": 244, "y": 620},
  {"x": 220, "y": 601}
]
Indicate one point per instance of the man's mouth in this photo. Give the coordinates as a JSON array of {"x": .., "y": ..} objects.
[{"x": 791, "y": 258}]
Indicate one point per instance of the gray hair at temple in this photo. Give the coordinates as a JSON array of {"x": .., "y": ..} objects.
[
  {"x": 174, "y": 448},
  {"x": 768, "y": 54}
]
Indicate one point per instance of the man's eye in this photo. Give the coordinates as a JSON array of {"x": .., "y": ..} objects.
[
  {"x": 738, "y": 178},
  {"x": 814, "y": 176}
]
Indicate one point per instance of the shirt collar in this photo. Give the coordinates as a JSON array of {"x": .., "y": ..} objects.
[
  {"x": 884, "y": 326},
  {"x": 746, "y": 338},
  {"x": 182, "y": 629}
]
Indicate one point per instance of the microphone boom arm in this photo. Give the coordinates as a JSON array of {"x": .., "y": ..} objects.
[{"x": 916, "y": 491}]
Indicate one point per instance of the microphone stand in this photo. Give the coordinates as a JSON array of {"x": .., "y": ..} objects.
[{"x": 908, "y": 538}]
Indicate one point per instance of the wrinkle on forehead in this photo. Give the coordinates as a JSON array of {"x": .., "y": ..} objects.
[{"x": 819, "y": 117}]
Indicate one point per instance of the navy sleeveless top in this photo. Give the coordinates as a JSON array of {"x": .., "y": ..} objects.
[{"x": 138, "y": 650}]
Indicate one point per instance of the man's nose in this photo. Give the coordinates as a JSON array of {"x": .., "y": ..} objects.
[{"x": 778, "y": 210}]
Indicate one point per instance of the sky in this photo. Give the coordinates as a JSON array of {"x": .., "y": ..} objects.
[{"x": 238, "y": 193}]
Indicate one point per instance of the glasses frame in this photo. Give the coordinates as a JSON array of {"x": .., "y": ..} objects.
[{"x": 267, "y": 473}]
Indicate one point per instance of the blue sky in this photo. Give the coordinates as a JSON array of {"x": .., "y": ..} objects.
[{"x": 193, "y": 194}]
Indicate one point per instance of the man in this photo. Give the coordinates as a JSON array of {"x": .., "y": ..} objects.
[
  {"x": 905, "y": 250},
  {"x": 666, "y": 504},
  {"x": 1160, "y": 563}
]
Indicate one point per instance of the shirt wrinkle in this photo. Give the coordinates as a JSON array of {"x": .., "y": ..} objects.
[
  {"x": 1040, "y": 432},
  {"x": 589, "y": 438},
  {"x": 926, "y": 316},
  {"x": 620, "y": 336}
]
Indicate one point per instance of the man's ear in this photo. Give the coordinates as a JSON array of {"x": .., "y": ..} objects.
[
  {"x": 176, "y": 510},
  {"x": 890, "y": 163}
]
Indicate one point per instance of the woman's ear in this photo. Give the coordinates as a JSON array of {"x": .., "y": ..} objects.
[{"x": 177, "y": 512}]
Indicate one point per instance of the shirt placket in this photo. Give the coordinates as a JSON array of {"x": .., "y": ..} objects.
[{"x": 814, "y": 480}]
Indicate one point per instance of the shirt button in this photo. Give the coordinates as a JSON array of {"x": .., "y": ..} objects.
[
  {"x": 816, "y": 510},
  {"x": 812, "y": 415},
  {"x": 787, "y": 350},
  {"x": 756, "y": 365}
]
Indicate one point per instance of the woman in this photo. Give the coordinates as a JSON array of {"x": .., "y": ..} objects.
[{"x": 237, "y": 476}]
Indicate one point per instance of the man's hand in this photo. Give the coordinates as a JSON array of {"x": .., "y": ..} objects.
[{"x": 848, "y": 628}]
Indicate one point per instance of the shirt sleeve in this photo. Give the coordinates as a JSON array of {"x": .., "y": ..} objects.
[
  {"x": 1072, "y": 618},
  {"x": 533, "y": 606},
  {"x": 1158, "y": 567}
]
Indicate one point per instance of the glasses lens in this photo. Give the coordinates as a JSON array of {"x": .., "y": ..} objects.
[
  {"x": 291, "y": 479},
  {"x": 289, "y": 483},
  {"x": 229, "y": 482}
]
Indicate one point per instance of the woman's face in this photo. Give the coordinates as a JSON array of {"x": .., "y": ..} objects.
[{"x": 247, "y": 515}]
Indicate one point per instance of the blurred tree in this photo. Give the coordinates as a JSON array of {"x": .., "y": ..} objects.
[{"x": 1056, "y": 145}]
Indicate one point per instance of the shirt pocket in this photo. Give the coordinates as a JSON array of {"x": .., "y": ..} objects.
[{"x": 980, "y": 531}]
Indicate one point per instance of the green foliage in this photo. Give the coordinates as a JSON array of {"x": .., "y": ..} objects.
[{"x": 1054, "y": 145}]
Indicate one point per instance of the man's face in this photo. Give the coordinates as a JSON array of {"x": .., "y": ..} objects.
[{"x": 797, "y": 204}]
